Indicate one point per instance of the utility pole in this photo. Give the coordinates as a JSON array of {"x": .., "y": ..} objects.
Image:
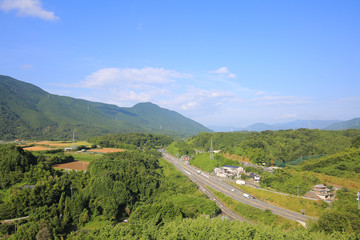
[
  {"x": 73, "y": 140},
  {"x": 358, "y": 198},
  {"x": 211, "y": 152},
  {"x": 298, "y": 190}
]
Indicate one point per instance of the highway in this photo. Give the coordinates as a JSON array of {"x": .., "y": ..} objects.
[{"x": 204, "y": 179}]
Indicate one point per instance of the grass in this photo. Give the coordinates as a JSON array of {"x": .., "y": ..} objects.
[
  {"x": 254, "y": 214},
  {"x": 183, "y": 193},
  {"x": 338, "y": 182},
  {"x": 236, "y": 157},
  {"x": 293, "y": 203},
  {"x": 5, "y": 194},
  {"x": 204, "y": 162},
  {"x": 85, "y": 157},
  {"x": 96, "y": 223},
  {"x": 181, "y": 182}
]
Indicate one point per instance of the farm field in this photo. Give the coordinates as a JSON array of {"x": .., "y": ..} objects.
[
  {"x": 50, "y": 145},
  {"x": 53, "y": 143},
  {"x": 85, "y": 156},
  {"x": 76, "y": 165},
  {"x": 37, "y": 148},
  {"x": 106, "y": 150}
]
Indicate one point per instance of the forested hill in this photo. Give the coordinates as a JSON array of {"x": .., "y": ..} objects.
[
  {"x": 27, "y": 111},
  {"x": 353, "y": 123},
  {"x": 280, "y": 147}
]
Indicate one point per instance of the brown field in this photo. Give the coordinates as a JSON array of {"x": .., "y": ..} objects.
[
  {"x": 72, "y": 165},
  {"x": 106, "y": 150},
  {"x": 37, "y": 148},
  {"x": 53, "y": 144}
]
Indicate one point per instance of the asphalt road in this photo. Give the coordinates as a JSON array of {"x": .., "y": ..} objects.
[{"x": 218, "y": 184}]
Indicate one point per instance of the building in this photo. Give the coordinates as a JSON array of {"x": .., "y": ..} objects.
[
  {"x": 254, "y": 177},
  {"x": 220, "y": 172},
  {"x": 70, "y": 148},
  {"x": 229, "y": 171},
  {"x": 185, "y": 158},
  {"x": 322, "y": 191}
]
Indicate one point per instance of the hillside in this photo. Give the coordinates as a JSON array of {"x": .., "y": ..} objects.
[
  {"x": 281, "y": 147},
  {"x": 310, "y": 124},
  {"x": 27, "y": 111},
  {"x": 353, "y": 123}
]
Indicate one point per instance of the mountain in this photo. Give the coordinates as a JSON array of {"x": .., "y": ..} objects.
[
  {"x": 27, "y": 111},
  {"x": 216, "y": 128},
  {"x": 353, "y": 123},
  {"x": 311, "y": 124},
  {"x": 258, "y": 127}
]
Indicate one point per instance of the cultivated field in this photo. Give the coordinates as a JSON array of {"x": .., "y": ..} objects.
[
  {"x": 88, "y": 157},
  {"x": 73, "y": 165},
  {"x": 37, "y": 148},
  {"x": 53, "y": 144},
  {"x": 106, "y": 150}
]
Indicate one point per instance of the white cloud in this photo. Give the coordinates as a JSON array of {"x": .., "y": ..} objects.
[
  {"x": 226, "y": 103},
  {"x": 27, "y": 66},
  {"x": 199, "y": 100},
  {"x": 288, "y": 115},
  {"x": 30, "y": 8},
  {"x": 224, "y": 72},
  {"x": 282, "y": 100},
  {"x": 127, "y": 86},
  {"x": 132, "y": 77}
]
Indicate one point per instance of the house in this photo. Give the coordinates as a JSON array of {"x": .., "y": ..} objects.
[
  {"x": 322, "y": 191},
  {"x": 237, "y": 171},
  {"x": 254, "y": 177},
  {"x": 185, "y": 158},
  {"x": 220, "y": 172},
  {"x": 70, "y": 148}
]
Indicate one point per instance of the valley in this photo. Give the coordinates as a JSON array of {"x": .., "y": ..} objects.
[{"x": 124, "y": 177}]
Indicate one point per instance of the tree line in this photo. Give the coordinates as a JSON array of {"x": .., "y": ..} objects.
[{"x": 270, "y": 146}]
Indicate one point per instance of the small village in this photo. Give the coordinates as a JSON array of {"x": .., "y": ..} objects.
[{"x": 239, "y": 175}]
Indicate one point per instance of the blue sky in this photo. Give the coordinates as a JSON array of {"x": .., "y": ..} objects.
[{"x": 225, "y": 63}]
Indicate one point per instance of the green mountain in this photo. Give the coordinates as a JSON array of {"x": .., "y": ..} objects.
[
  {"x": 353, "y": 123},
  {"x": 27, "y": 111}
]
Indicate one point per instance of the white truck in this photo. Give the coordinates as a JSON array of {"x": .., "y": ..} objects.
[
  {"x": 241, "y": 182},
  {"x": 246, "y": 195}
]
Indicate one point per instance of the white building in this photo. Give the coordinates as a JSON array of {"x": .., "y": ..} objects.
[{"x": 229, "y": 171}]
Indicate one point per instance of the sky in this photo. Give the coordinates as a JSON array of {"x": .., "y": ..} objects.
[{"x": 221, "y": 63}]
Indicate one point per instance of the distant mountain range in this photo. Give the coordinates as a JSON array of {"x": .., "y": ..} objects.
[
  {"x": 353, "y": 123},
  {"x": 311, "y": 124},
  {"x": 27, "y": 111}
]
